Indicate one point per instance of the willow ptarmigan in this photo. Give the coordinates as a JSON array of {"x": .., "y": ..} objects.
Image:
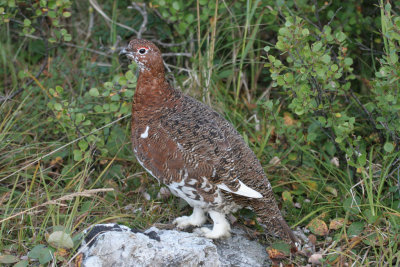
[{"x": 195, "y": 152}]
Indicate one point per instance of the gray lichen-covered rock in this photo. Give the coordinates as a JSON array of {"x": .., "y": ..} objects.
[
  {"x": 116, "y": 245},
  {"x": 240, "y": 251}
]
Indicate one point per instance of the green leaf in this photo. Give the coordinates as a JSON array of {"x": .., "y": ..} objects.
[
  {"x": 23, "y": 263},
  {"x": 66, "y": 14},
  {"x": 94, "y": 92},
  {"x": 27, "y": 22},
  {"x": 316, "y": 46},
  {"x": 98, "y": 108},
  {"x": 287, "y": 197},
  {"x": 57, "y": 106},
  {"x": 267, "y": 48},
  {"x": 351, "y": 205},
  {"x": 42, "y": 253},
  {"x": 388, "y": 147},
  {"x": 67, "y": 37},
  {"x": 108, "y": 85},
  {"x": 340, "y": 36},
  {"x": 115, "y": 97},
  {"x": 59, "y": 89},
  {"x": 7, "y": 259},
  {"x": 122, "y": 80},
  {"x": 393, "y": 57},
  {"x": 79, "y": 118},
  {"x": 77, "y": 155},
  {"x": 305, "y": 32},
  {"x": 176, "y": 5},
  {"x": 130, "y": 76},
  {"x": 326, "y": 58},
  {"x": 60, "y": 239},
  {"x": 83, "y": 145},
  {"x": 369, "y": 216},
  {"x": 355, "y": 229},
  {"x": 348, "y": 61}
]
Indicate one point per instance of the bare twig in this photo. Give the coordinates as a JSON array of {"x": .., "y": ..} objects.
[
  {"x": 177, "y": 54},
  {"x": 90, "y": 27},
  {"x": 42, "y": 67},
  {"x": 369, "y": 115},
  {"x": 142, "y": 10},
  {"x": 76, "y": 46},
  {"x": 104, "y": 15},
  {"x": 171, "y": 44}
]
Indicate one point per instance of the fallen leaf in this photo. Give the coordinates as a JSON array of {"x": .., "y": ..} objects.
[
  {"x": 335, "y": 161},
  {"x": 287, "y": 119},
  {"x": 275, "y": 161},
  {"x": 57, "y": 160},
  {"x": 313, "y": 239},
  {"x": 312, "y": 185},
  {"x": 315, "y": 259},
  {"x": 146, "y": 196},
  {"x": 275, "y": 254},
  {"x": 336, "y": 223},
  {"x": 318, "y": 227},
  {"x": 62, "y": 252},
  {"x": 79, "y": 260},
  {"x": 331, "y": 190}
]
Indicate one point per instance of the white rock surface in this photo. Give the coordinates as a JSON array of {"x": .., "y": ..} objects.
[{"x": 117, "y": 245}]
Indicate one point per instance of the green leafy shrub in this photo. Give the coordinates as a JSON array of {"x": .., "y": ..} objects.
[
  {"x": 98, "y": 107},
  {"x": 316, "y": 74}
]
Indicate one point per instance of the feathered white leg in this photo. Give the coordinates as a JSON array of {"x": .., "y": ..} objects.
[
  {"x": 221, "y": 226},
  {"x": 196, "y": 219}
]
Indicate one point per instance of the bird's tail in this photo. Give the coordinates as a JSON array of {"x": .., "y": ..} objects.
[{"x": 267, "y": 210}]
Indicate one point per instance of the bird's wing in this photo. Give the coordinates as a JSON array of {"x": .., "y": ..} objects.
[{"x": 201, "y": 136}]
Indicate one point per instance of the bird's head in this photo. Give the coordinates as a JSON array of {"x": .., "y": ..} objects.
[{"x": 146, "y": 55}]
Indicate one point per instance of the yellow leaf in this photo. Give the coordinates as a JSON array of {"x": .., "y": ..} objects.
[
  {"x": 312, "y": 185},
  {"x": 287, "y": 196},
  {"x": 287, "y": 119},
  {"x": 318, "y": 227},
  {"x": 331, "y": 190}
]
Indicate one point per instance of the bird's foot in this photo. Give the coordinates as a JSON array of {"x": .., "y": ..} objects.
[
  {"x": 215, "y": 233},
  {"x": 196, "y": 219},
  {"x": 221, "y": 227}
]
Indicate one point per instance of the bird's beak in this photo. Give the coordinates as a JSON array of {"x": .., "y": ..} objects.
[
  {"x": 123, "y": 52},
  {"x": 126, "y": 53}
]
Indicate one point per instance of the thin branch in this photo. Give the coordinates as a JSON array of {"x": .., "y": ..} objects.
[
  {"x": 142, "y": 10},
  {"x": 177, "y": 55},
  {"x": 172, "y": 44},
  {"x": 369, "y": 115},
  {"x": 104, "y": 15},
  {"x": 42, "y": 67}
]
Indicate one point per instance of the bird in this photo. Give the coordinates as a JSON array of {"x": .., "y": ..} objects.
[{"x": 196, "y": 152}]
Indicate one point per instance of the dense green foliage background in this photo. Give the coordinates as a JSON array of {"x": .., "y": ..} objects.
[{"x": 313, "y": 87}]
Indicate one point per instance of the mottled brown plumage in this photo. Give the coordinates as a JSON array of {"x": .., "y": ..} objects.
[{"x": 196, "y": 152}]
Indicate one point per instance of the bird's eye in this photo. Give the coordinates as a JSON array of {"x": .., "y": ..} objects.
[{"x": 142, "y": 51}]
